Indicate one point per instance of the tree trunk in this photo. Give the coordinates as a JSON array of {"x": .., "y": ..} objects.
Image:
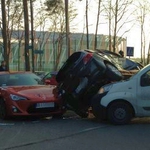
[
  {"x": 98, "y": 14},
  {"x": 148, "y": 55},
  {"x": 26, "y": 24},
  {"x": 115, "y": 29},
  {"x": 110, "y": 42},
  {"x": 32, "y": 34},
  {"x": 67, "y": 28},
  {"x": 87, "y": 26},
  {"x": 141, "y": 44},
  {"x": 4, "y": 33}
]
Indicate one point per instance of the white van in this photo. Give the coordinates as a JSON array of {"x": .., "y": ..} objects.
[{"x": 121, "y": 101}]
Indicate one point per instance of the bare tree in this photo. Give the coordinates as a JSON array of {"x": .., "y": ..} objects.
[
  {"x": 50, "y": 16},
  {"x": 97, "y": 23},
  {"x": 11, "y": 20},
  {"x": 26, "y": 23},
  {"x": 117, "y": 14},
  {"x": 4, "y": 32},
  {"x": 148, "y": 55},
  {"x": 87, "y": 25},
  {"x": 67, "y": 27},
  {"x": 32, "y": 33},
  {"x": 142, "y": 13}
]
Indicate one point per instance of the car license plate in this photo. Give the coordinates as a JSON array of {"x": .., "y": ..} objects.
[{"x": 45, "y": 105}]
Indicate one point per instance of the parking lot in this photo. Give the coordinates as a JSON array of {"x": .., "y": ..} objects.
[{"x": 72, "y": 132}]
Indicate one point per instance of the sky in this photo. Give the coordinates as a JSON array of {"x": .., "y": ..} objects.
[{"x": 132, "y": 37}]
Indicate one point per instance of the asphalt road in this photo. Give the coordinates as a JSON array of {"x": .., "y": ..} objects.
[{"x": 73, "y": 133}]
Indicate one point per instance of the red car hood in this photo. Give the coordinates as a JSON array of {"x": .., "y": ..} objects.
[{"x": 35, "y": 92}]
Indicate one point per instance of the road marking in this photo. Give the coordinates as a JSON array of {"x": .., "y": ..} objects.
[
  {"x": 7, "y": 124},
  {"x": 93, "y": 128}
]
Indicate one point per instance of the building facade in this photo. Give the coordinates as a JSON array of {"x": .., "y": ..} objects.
[{"x": 50, "y": 50}]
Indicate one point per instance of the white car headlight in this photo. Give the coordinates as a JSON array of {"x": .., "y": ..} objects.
[
  {"x": 17, "y": 98},
  {"x": 105, "y": 88}
]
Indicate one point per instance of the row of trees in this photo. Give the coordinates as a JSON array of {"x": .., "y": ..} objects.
[
  {"x": 18, "y": 15},
  {"x": 58, "y": 16},
  {"x": 121, "y": 16}
]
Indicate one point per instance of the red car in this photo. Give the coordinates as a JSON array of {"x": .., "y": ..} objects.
[
  {"x": 50, "y": 78},
  {"x": 22, "y": 94}
]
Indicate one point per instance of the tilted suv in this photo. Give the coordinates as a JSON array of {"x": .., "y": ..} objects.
[{"x": 82, "y": 75}]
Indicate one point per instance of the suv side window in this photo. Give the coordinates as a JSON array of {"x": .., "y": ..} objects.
[{"x": 145, "y": 79}]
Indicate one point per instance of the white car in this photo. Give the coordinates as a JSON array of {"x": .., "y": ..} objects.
[{"x": 121, "y": 101}]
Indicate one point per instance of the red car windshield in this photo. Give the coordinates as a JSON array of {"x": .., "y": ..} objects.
[{"x": 19, "y": 79}]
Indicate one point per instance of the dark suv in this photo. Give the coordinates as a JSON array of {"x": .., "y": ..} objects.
[{"x": 81, "y": 76}]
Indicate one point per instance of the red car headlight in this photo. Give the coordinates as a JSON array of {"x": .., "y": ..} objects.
[{"x": 17, "y": 98}]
